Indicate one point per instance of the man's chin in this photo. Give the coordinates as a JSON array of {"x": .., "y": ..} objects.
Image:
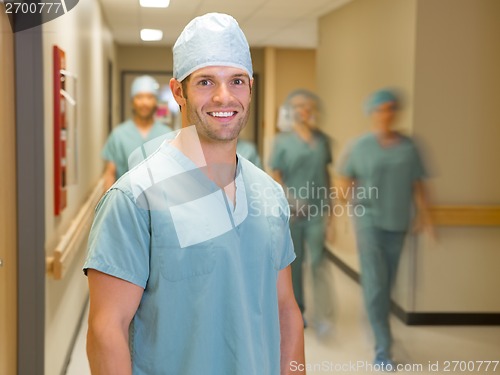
[{"x": 146, "y": 116}]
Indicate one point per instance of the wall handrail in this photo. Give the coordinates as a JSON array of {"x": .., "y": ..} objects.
[
  {"x": 466, "y": 216},
  {"x": 71, "y": 241}
]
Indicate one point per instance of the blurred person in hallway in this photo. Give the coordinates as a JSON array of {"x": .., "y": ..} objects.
[
  {"x": 383, "y": 174},
  {"x": 133, "y": 133},
  {"x": 248, "y": 150},
  {"x": 299, "y": 161},
  {"x": 190, "y": 251}
]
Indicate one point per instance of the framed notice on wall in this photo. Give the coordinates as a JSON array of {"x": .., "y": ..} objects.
[
  {"x": 65, "y": 145},
  {"x": 59, "y": 132}
]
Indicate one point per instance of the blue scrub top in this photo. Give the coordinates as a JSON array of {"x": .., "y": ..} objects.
[
  {"x": 126, "y": 138},
  {"x": 384, "y": 180},
  {"x": 209, "y": 270},
  {"x": 303, "y": 166}
]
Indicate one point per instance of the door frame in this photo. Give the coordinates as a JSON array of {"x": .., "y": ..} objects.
[
  {"x": 8, "y": 245},
  {"x": 30, "y": 157}
]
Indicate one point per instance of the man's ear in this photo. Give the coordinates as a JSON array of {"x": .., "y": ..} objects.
[{"x": 178, "y": 92}]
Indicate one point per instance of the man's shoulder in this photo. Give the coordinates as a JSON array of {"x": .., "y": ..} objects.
[
  {"x": 324, "y": 138},
  {"x": 284, "y": 141},
  {"x": 252, "y": 171},
  {"x": 145, "y": 174},
  {"x": 244, "y": 142},
  {"x": 321, "y": 134},
  {"x": 161, "y": 127},
  {"x": 284, "y": 136},
  {"x": 406, "y": 139},
  {"x": 363, "y": 140},
  {"x": 255, "y": 176},
  {"x": 123, "y": 127}
]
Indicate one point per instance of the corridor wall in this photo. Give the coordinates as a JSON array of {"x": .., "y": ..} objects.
[
  {"x": 457, "y": 91},
  {"x": 87, "y": 41}
]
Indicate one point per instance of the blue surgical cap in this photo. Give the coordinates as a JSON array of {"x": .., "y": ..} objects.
[
  {"x": 380, "y": 97},
  {"x": 213, "y": 39},
  {"x": 144, "y": 84}
]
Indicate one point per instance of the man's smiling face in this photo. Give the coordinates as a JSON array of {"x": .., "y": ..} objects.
[{"x": 217, "y": 101}]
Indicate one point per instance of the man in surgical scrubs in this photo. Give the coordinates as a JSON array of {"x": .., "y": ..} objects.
[
  {"x": 300, "y": 161},
  {"x": 386, "y": 170},
  {"x": 133, "y": 133},
  {"x": 190, "y": 251}
]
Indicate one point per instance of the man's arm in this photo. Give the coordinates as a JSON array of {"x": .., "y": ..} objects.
[
  {"x": 423, "y": 220},
  {"x": 291, "y": 326},
  {"x": 113, "y": 303},
  {"x": 344, "y": 186},
  {"x": 109, "y": 175}
]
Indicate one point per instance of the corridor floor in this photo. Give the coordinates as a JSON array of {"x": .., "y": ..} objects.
[{"x": 419, "y": 349}]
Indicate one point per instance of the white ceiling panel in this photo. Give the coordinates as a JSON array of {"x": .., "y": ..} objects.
[{"x": 280, "y": 23}]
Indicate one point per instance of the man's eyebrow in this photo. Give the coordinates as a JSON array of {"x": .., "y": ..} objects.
[
  {"x": 203, "y": 76},
  {"x": 211, "y": 76}
]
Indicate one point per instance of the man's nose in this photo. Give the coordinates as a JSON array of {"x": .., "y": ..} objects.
[{"x": 222, "y": 94}]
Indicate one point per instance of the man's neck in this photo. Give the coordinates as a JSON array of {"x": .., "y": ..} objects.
[
  {"x": 221, "y": 161},
  {"x": 217, "y": 160},
  {"x": 387, "y": 137},
  {"x": 384, "y": 133},
  {"x": 143, "y": 123},
  {"x": 303, "y": 131}
]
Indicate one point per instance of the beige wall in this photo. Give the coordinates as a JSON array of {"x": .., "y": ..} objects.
[
  {"x": 88, "y": 44},
  {"x": 8, "y": 245},
  {"x": 457, "y": 95},
  {"x": 457, "y": 91},
  {"x": 144, "y": 58},
  {"x": 444, "y": 56},
  {"x": 295, "y": 69}
]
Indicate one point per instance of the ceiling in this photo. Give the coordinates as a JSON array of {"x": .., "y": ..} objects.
[{"x": 279, "y": 23}]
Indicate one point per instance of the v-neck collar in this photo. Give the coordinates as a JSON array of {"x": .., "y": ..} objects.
[{"x": 238, "y": 211}]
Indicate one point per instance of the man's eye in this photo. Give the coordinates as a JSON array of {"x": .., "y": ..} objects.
[
  {"x": 204, "y": 82},
  {"x": 239, "y": 81}
]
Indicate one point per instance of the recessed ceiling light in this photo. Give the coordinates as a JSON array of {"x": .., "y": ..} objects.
[
  {"x": 150, "y": 35},
  {"x": 154, "y": 3}
]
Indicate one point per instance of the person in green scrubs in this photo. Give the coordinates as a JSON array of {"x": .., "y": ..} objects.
[
  {"x": 248, "y": 150},
  {"x": 133, "y": 133},
  {"x": 189, "y": 253},
  {"x": 384, "y": 174},
  {"x": 299, "y": 161}
]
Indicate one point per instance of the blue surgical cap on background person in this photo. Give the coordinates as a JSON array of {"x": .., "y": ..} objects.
[
  {"x": 144, "y": 84},
  {"x": 213, "y": 39},
  {"x": 381, "y": 97}
]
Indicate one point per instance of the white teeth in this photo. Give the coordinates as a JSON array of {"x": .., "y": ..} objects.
[{"x": 221, "y": 114}]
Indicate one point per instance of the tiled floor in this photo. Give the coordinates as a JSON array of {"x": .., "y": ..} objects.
[{"x": 420, "y": 348}]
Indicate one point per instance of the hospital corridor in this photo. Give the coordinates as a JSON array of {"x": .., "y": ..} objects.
[{"x": 268, "y": 187}]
